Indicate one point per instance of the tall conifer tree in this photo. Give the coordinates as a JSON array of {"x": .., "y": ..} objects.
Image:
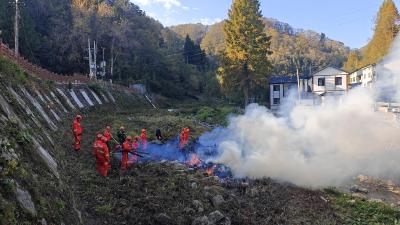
[
  {"x": 245, "y": 63},
  {"x": 385, "y": 32}
]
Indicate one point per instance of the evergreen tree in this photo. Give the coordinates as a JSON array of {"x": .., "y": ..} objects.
[
  {"x": 188, "y": 49},
  {"x": 353, "y": 62},
  {"x": 245, "y": 63},
  {"x": 193, "y": 53},
  {"x": 385, "y": 32}
]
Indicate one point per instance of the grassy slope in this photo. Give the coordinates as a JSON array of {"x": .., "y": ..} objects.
[{"x": 147, "y": 190}]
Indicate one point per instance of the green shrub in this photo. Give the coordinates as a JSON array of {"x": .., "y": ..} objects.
[
  {"x": 12, "y": 71},
  {"x": 95, "y": 87}
]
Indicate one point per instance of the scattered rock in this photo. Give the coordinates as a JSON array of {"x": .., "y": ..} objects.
[
  {"x": 43, "y": 221},
  {"x": 201, "y": 221},
  {"x": 188, "y": 210},
  {"x": 215, "y": 216},
  {"x": 358, "y": 195},
  {"x": 253, "y": 192},
  {"x": 214, "y": 189},
  {"x": 194, "y": 185},
  {"x": 351, "y": 201},
  {"x": 198, "y": 206},
  {"x": 217, "y": 200},
  {"x": 163, "y": 219},
  {"x": 358, "y": 189},
  {"x": 362, "y": 178},
  {"x": 25, "y": 200},
  {"x": 375, "y": 200}
]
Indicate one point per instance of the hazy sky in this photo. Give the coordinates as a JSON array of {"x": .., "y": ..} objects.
[{"x": 349, "y": 21}]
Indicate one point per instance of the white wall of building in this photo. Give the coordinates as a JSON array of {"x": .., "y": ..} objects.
[{"x": 330, "y": 76}]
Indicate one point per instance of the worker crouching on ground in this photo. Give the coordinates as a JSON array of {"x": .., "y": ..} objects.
[
  {"x": 126, "y": 148},
  {"x": 121, "y": 135},
  {"x": 102, "y": 154},
  {"x": 77, "y": 131}
]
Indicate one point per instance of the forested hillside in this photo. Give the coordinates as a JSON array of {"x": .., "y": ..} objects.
[
  {"x": 292, "y": 48},
  {"x": 55, "y": 33}
]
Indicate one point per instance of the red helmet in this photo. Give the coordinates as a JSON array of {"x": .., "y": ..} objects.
[
  {"x": 129, "y": 138},
  {"x": 104, "y": 139}
]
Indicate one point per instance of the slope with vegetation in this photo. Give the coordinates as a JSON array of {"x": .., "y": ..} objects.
[{"x": 55, "y": 33}]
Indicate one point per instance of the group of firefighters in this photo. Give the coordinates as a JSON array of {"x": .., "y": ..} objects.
[{"x": 126, "y": 145}]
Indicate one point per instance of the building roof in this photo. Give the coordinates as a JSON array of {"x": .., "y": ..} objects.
[
  {"x": 330, "y": 71},
  {"x": 369, "y": 65},
  {"x": 283, "y": 79}
]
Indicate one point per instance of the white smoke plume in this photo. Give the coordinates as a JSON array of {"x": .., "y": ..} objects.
[{"x": 318, "y": 146}]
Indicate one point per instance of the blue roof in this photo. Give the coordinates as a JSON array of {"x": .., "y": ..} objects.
[{"x": 286, "y": 79}]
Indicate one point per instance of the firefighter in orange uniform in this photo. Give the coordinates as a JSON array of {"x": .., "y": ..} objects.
[
  {"x": 107, "y": 135},
  {"x": 126, "y": 148},
  {"x": 143, "y": 138},
  {"x": 182, "y": 139},
  {"x": 102, "y": 155},
  {"x": 186, "y": 135},
  {"x": 77, "y": 130}
]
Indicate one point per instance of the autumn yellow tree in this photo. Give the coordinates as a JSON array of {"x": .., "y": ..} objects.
[
  {"x": 245, "y": 62},
  {"x": 385, "y": 32}
]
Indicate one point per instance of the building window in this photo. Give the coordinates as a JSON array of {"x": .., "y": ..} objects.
[
  {"x": 338, "y": 81},
  {"x": 277, "y": 87},
  {"x": 321, "y": 81},
  {"x": 277, "y": 101}
]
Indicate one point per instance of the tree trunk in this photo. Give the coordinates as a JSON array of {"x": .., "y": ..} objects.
[
  {"x": 246, "y": 85},
  {"x": 246, "y": 95}
]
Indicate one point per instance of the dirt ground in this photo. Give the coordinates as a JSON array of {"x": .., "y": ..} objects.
[{"x": 170, "y": 193}]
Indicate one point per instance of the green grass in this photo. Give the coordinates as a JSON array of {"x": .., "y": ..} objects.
[
  {"x": 11, "y": 71},
  {"x": 216, "y": 115},
  {"x": 360, "y": 211}
]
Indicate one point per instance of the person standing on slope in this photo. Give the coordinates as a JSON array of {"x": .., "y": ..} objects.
[
  {"x": 121, "y": 135},
  {"x": 107, "y": 135},
  {"x": 102, "y": 154},
  {"x": 126, "y": 148},
  {"x": 143, "y": 138},
  {"x": 77, "y": 131}
]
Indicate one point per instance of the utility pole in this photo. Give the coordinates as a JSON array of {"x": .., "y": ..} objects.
[
  {"x": 298, "y": 84},
  {"x": 90, "y": 60},
  {"x": 16, "y": 29},
  {"x": 95, "y": 59}
]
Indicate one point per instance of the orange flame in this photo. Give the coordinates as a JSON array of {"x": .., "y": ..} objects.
[
  {"x": 210, "y": 171},
  {"x": 194, "y": 161}
]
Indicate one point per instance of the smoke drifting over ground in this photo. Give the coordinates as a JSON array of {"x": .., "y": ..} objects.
[{"x": 316, "y": 146}]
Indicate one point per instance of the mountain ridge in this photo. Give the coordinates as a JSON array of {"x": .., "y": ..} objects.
[{"x": 312, "y": 50}]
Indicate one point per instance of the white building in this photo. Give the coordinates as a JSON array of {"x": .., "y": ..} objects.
[
  {"x": 363, "y": 77},
  {"x": 330, "y": 81},
  {"x": 280, "y": 87},
  {"x": 325, "y": 83}
]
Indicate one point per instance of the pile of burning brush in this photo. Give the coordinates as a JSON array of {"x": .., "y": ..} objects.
[{"x": 212, "y": 169}]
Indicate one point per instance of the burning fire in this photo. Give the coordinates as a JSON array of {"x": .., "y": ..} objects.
[
  {"x": 210, "y": 170},
  {"x": 194, "y": 161}
]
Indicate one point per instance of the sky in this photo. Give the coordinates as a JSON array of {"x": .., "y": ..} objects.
[{"x": 348, "y": 21}]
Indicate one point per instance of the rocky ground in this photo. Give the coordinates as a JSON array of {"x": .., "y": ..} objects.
[{"x": 171, "y": 193}]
